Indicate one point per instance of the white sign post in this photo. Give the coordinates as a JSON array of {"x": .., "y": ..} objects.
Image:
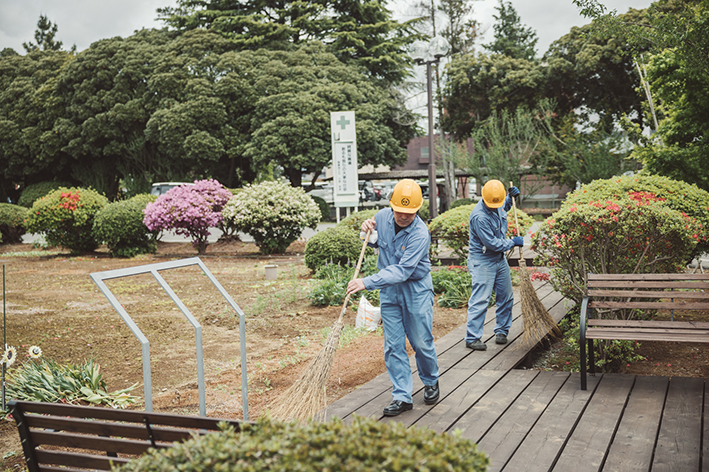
[{"x": 344, "y": 160}]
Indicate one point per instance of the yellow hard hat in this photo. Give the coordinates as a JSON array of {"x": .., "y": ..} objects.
[
  {"x": 406, "y": 197},
  {"x": 494, "y": 194}
]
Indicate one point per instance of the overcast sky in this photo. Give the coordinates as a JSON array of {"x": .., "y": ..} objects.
[{"x": 81, "y": 22}]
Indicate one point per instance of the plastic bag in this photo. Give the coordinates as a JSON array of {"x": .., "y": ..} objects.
[{"x": 368, "y": 315}]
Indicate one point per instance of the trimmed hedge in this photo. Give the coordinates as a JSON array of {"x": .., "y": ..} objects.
[
  {"x": 354, "y": 221},
  {"x": 338, "y": 245},
  {"x": 363, "y": 445},
  {"x": 66, "y": 217},
  {"x": 324, "y": 207},
  {"x": 36, "y": 191},
  {"x": 120, "y": 225},
  {"x": 12, "y": 223}
]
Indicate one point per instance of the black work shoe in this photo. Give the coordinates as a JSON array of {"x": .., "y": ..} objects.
[
  {"x": 500, "y": 338},
  {"x": 397, "y": 407},
  {"x": 476, "y": 345},
  {"x": 431, "y": 394}
]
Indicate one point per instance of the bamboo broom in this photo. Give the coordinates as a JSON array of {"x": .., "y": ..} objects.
[
  {"x": 538, "y": 323},
  {"x": 307, "y": 398}
]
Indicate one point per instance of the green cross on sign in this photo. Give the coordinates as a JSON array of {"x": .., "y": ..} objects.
[{"x": 342, "y": 122}]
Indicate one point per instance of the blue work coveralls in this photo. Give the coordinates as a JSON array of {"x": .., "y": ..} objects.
[
  {"x": 487, "y": 244},
  {"x": 406, "y": 300}
]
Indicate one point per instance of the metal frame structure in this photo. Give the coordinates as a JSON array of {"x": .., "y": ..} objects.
[{"x": 99, "y": 277}]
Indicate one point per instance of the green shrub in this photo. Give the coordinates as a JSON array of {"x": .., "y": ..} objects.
[
  {"x": 624, "y": 232},
  {"x": 34, "y": 192},
  {"x": 331, "y": 282},
  {"x": 338, "y": 245},
  {"x": 355, "y": 220},
  {"x": 462, "y": 202},
  {"x": 12, "y": 223},
  {"x": 677, "y": 195},
  {"x": 324, "y": 207},
  {"x": 273, "y": 213},
  {"x": 66, "y": 217},
  {"x": 451, "y": 228},
  {"x": 364, "y": 444},
  {"x": 120, "y": 225},
  {"x": 424, "y": 211}
]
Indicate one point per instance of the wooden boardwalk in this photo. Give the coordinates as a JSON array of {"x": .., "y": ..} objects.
[{"x": 527, "y": 420}]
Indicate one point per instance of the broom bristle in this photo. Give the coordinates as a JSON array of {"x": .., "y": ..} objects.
[
  {"x": 306, "y": 398},
  {"x": 538, "y": 323}
]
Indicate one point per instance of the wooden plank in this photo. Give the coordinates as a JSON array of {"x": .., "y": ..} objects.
[
  {"x": 482, "y": 415},
  {"x": 682, "y": 276},
  {"x": 81, "y": 441},
  {"x": 628, "y": 335},
  {"x": 541, "y": 446},
  {"x": 587, "y": 446},
  {"x": 705, "y": 435},
  {"x": 453, "y": 406},
  {"x": 649, "y": 305},
  {"x": 634, "y": 442},
  {"x": 503, "y": 439},
  {"x": 647, "y": 294},
  {"x": 88, "y": 461},
  {"x": 652, "y": 324},
  {"x": 679, "y": 440},
  {"x": 659, "y": 284}
]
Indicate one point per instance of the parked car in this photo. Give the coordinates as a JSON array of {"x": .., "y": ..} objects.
[{"x": 161, "y": 188}]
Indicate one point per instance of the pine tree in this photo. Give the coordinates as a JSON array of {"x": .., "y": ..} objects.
[{"x": 512, "y": 38}]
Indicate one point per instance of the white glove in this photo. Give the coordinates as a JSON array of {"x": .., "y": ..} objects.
[{"x": 372, "y": 237}]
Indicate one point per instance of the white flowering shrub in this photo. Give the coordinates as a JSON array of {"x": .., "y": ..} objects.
[{"x": 273, "y": 213}]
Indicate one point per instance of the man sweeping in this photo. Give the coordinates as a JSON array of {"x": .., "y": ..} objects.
[
  {"x": 405, "y": 294},
  {"x": 487, "y": 244}
]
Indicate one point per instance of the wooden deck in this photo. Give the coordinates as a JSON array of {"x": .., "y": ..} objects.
[{"x": 528, "y": 420}]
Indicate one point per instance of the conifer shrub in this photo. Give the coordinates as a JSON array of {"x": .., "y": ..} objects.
[
  {"x": 273, "y": 213},
  {"x": 66, "y": 217},
  {"x": 363, "y": 445},
  {"x": 323, "y": 206},
  {"x": 120, "y": 226},
  {"x": 12, "y": 223}
]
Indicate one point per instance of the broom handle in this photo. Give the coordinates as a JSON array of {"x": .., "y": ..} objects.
[
  {"x": 356, "y": 273},
  {"x": 514, "y": 208}
]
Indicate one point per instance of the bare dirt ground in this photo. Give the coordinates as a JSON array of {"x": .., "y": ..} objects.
[{"x": 52, "y": 302}]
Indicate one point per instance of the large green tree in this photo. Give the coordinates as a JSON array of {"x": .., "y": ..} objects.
[
  {"x": 354, "y": 30},
  {"x": 512, "y": 38}
]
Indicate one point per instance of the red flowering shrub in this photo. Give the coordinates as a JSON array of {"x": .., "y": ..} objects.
[
  {"x": 631, "y": 232},
  {"x": 66, "y": 216}
]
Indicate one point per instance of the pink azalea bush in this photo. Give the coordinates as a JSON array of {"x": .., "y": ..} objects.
[
  {"x": 189, "y": 210},
  {"x": 631, "y": 231}
]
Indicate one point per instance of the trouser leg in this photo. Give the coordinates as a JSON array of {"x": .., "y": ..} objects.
[{"x": 483, "y": 277}]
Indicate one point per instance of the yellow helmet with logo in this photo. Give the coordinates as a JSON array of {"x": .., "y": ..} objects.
[
  {"x": 406, "y": 197},
  {"x": 494, "y": 194}
]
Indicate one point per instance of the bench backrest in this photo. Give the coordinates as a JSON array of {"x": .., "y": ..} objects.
[
  {"x": 90, "y": 438},
  {"x": 648, "y": 291}
]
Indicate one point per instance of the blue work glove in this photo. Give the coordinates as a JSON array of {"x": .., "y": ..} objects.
[
  {"x": 514, "y": 191},
  {"x": 518, "y": 240}
]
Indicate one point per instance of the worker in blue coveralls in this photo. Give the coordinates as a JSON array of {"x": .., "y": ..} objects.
[
  {"x": 405, "y": 294},
  {"x": 487, "y": 244}
]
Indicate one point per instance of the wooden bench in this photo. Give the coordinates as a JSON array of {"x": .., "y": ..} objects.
[
  {"x": 81, "y": 438},
  {"x": 612, "y": 292}
]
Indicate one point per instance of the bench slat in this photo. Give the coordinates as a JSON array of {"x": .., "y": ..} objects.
[
  {"x": 648, "y": 294},
  {"x": 132, "y": 431},
  {"x": 647, "y": 335},
  {"x": 699, "y": 285},
  {"x": 86, "y": 461},
  {"x": 678, "y": 276},
  {"x": 649, "y": 305},
  {"x": 653, "y": 323},
  {"x": 80, "y": 441}
]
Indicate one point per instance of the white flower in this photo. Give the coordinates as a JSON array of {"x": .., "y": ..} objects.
[
  {"x": 35, "y": 352},
  {"x": 9, "y": 357}
]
